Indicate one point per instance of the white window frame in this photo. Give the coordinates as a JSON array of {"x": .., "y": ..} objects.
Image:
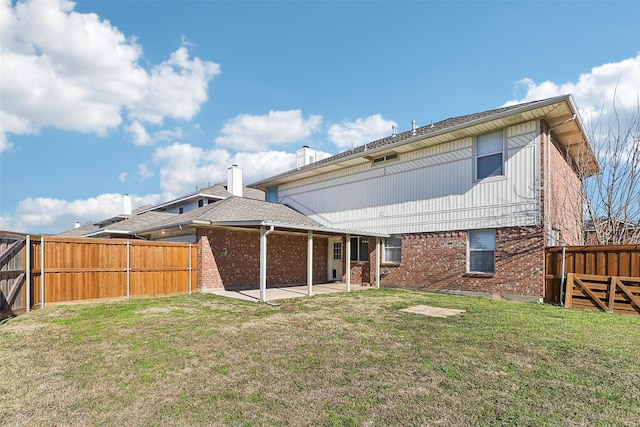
[
  {"x": 355, "y": 249},
  {"x": 490, "y": 248},
  {"x": 395, "y": 245},
  {"x": 476, "y": 157}
]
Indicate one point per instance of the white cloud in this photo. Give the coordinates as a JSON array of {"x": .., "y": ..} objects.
[
  {"x": 594, "y": 91},
  {"x": 144, "y": 172},
  {"x": 185, "y": 167},
  {"x": 123, "y": 177},
  {"x": 352, "y": 134},
  {"x": 48, "y": 215},
  {"x": 257, "y": 133},
  {"x": 74, "y": 71},
  {"x": 139, "y": 134}
]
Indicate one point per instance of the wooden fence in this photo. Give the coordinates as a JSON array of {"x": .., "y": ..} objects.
[
  {"x": 55, "y": 269},
  {"x": 595, "y": 277}
]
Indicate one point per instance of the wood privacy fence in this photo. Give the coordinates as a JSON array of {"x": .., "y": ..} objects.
[
  {"x": 595, "y": 277},
  {"x": 56, "y": 269}
]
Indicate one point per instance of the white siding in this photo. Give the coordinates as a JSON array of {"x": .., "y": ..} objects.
[{"x": 430, "y": 189}]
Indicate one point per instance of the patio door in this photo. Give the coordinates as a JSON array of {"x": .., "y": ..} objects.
[{"x": 335, "y": 260}]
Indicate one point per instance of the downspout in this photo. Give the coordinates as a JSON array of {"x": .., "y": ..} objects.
[{"x": 263, "y": 261}]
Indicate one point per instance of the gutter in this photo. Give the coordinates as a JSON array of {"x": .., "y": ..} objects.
[{"x": 361, "y": 149}]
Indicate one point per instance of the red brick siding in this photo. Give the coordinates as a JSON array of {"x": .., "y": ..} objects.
[
  {"x": 438, "y": 261},
  {"x": 564, "y": 189},
  {"x": 235, "y": 256}
]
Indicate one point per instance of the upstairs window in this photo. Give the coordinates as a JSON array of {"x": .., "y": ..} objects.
[
  {"x": 360, "y": 249},
  {"x": 393, "y": 249},
  {"x": 489, "y": 152},
  {"x": 272, "y": 194}
]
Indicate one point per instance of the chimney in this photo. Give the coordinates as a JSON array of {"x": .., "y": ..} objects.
[
  {"x": 305, "y": 156},
  {"x": 234, "y": 181},
  {"x": 126, "y": 204}
]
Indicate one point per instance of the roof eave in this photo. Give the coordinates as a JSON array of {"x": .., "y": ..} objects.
[{"x": 314, "y": 169}]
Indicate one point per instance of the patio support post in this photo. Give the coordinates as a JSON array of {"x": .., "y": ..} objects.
[
  {"x": 347, "y": 261},
  {"x": 263, "y": 261},
  {"x": 377, "y": 263},
  {"x": 309, "y": 262}
]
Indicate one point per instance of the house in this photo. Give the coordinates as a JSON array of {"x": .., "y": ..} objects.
[
  {"x": 243, "y": 241},
  {"x": 467, "y": 204}
]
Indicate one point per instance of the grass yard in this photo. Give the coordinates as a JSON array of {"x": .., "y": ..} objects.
[{"x": 336, "y": 359}]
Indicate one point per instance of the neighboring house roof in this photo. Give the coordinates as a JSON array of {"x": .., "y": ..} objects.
[
  {"x": 218, "y": 191},
  {"x": 80, "y": 231},
  {"x": 559, "y": 112},
  {"x": 239, "y": 211},
  {"x": 129, "y": 226}
]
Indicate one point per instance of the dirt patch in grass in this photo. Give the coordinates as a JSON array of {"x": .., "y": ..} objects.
[{"x": 335, "y": 359}]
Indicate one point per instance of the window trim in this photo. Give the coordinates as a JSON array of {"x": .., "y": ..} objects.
[
  {"x": 385, "y": 246},
  {"x": 355, "y": 248},
  {"x": 470, "y": 250},
  {"x": 476, "y": 157}
]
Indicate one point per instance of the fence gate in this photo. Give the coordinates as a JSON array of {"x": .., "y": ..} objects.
[
  {"x": 13, "y": 274},
  {"x": 612, "y": 294}
]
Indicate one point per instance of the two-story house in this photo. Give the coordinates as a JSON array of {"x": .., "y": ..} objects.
[{"x": 469, "y": 203}]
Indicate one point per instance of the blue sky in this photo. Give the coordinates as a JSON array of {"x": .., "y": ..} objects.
[{"x": 155, "y": 98}]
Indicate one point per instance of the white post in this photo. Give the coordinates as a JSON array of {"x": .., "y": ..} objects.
[
  {"x": 41, "y": 271},
  {"x": 309, "y": 262},
  {"x": 263, "y": 261},
  {"x": 377, "y": 263},
  {"x": 27, "y": 249},
  {"x": 347, "y": 262},
  {"x": 190, "y": 270},
  {"x": 128, "y": 270}
]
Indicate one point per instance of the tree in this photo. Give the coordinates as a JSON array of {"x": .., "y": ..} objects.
[{"x": 612, "y": 197}]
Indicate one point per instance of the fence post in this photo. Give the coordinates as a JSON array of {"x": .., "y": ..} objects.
[
  {"x": 41, "y": 271},
  {"x": 190, "y": 269},
  {"x": 568, "y": 295},
  {"x": 128, "y": 270},
  {"x": 28, "y": 271},
  {"x": 612, "y": 293}
]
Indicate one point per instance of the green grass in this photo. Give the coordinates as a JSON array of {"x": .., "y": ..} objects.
[{"x": 337, "y": 359}]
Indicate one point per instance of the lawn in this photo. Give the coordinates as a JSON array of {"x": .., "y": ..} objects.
[{"x": 335, "y": 359}]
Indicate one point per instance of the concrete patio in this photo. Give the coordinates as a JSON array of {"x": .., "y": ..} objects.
[{"x": 279, "y": 293}]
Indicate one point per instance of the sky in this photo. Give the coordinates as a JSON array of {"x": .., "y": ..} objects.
[{"x": 156, "y": 99}]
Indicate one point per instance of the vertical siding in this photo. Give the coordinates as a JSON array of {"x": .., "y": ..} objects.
[{"x": 431, "y": 189}]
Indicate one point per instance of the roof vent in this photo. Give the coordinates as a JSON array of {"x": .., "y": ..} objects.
[
  {"x": 394, "y": 130},
  {"x": 77, "y": 225},
  {"x": 413, "y": 127}
]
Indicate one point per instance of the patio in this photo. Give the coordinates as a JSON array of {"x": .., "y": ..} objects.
[{"x": 279, "y": 293}]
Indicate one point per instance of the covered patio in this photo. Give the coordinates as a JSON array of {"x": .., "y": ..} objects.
[{"x": 285, "y": 292}]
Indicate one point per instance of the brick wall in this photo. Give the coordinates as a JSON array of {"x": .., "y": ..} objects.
[
  {"x": 438, "y": 261},
  {"x": 562, "y": 188},
  {"x": 230, "y": 258}
]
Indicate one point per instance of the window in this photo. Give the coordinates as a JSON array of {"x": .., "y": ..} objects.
[
  {"x": 200, "y": 203},
  {"x": 488, "y": 154},
  {"x": 272, "y": 194},
  {"x": 360, "y": 249},
  {"x": 393, "y": 249},
  {"x": 482, "y": 251},
  {"x": 337, "y": 251},
  {"x": 180, "y": 210}
]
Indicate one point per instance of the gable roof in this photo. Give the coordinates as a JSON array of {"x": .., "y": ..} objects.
[
  {"x": 560, "y": 112},
  {"x": 80, "y": 231},
  {"x": 217, "y": 191},
  {"x": 131, "y": 225},
  {"x": 242, "y": 212}
]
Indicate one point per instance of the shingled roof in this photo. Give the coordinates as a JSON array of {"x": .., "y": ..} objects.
[{"x": 558, "y": 110}]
